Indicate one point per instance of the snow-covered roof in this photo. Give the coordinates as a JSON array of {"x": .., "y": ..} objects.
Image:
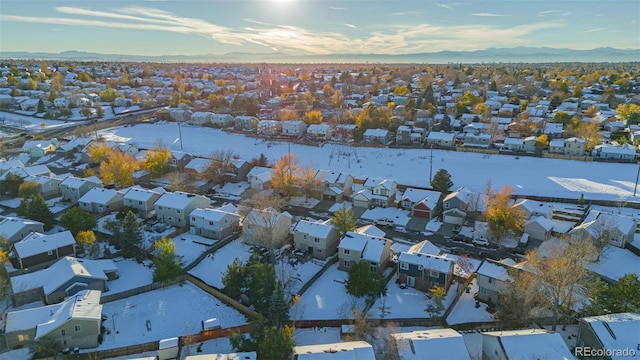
[
  {"x": 440, "y": 135},
  {"x": 5, "y": 165},
  {"x": 431, "y": 262},
  {"x": 532, "y": 344},
  {"x": 596, "y": 221},
  {"x": 76, "y": 182},
  {"x": 513, "y": 141},
  {"x": 351, "y": 350},
  {"x": 376, "y": 132},
  {"x": 9, "y": 226},
  {"x": 556, "y": 143},
  {"x": 99, "y": 195},
  {"x": 175, "y": 200},
  {"x": 62, "y": 271},
  {"x": 424, "y": 247},
  {"x": 211, "y": 214},
  {"x": 139, "y": 194},
  {"x": 374, "y": 182},
  {"x": 533, "y": 206},
  {"x": 198, "y": 164},
  {"x": 265, "y": 217},
  {"x": 545, "y": 223},
  {"x": 374, "y": 249},
  {"x": 616, "y": 331},
  {"x": 83, "y": 305},
  {"x": 354, "y": 241},
  {"x": 415, "y": 195},
  {"x": 329, "y": 176},
  {"x": 37, "y": 243},
  {"x": 318, "y": 128},
  {"x": 432, "y": 343},
  {"x": 320, "y": 229},
  {"x": 494, "y": 269},
  {"x": 371, "y": 230}
]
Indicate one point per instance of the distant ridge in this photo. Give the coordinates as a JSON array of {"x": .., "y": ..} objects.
[{"x": 492, "y": 55}]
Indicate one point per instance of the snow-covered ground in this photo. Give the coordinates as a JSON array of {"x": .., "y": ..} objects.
[
  {"x": 30, "y": 123},
  {"x": 527, "y": 175},
  {"x": 188, "y": 248},
  {"x": 327, "y": 298},
  {"x": 210, "y": 269},
  {"x": 616, "y": 262},
  {"x": 407, "y": 303},
  {"x": 172, "y": 311},
  {"x": 132, "y": 275},
  {"x": 302, "y": 202},
  {"x": 465, "y": 310},
  {"x": 295, "y": 274}
]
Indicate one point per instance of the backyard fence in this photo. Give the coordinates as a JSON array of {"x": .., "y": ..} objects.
[
  {"x": 141, "y": 289},
  {"x": 222, "y": 297}
]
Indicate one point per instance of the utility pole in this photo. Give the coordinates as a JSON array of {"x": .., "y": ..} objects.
[
  {"x": 431, "y": 166},
  {"x": 180, "y": 134},
  {"x": 637, "y": 177}
]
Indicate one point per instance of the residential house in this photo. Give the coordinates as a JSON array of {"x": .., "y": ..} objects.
[
  {"x": 350, "y": 350},
  {"x": 513, "y": 144},
  {"x": 10, "y": 164},
  {"x": 610, "y": 152},
  {"x": 266, "y": 227},
  {"x": 409, "y": 135},
  {"x": 61, "y": 102},
  {"x": 553, "y": 130},
  {"x": 538, "y": 228},
  {"x": 73, "y": 188},
  {"x": 424, "y": 271},
  {"x": 101, "y": 201},
  {"x": 431, "y": 344},
  {"x": 29, "y": 105},
  {"x": 383, "y": 191},
  {"x": 617, "y": 228},
  {"x": 237, "y": 170},
  {"x": 420, "y": 202},
  {"x": 222, "y": 120},
  {"x": 142, "y": 200},
  {"x": 355, "y": 247},
  {"x": 197, "y": 166},
  {"x": 610, "y": 332},
  {"x": 14, "y": 229},
  {"x": 179, "y": 159},
  {"x": 495, "y": 277},
  {"x": 556, "y": 146},
  {"x": 64, "y": 278},
  {"x": 173, "y": 208},
  {"x": 48, "y": 187},
  {"x": 319, "y": 239},
  {"x": 260, "y": 178},
  {"x": 201, "y": 118},
  {"x": 39, "y": 148},
  {"x": 524, "y": 344},
  {"x": 336, "y": 186},
  {"x": 376, "y": 136},
  {"x": 441, "y": 138},
  {"x": 461, "y": 203},
  {"x": 319, "y": 132},
  {"x": 26, "y": 171},
  {"x": 363, "y": 199},
  {"x": 76, "y": 322},
  {"x": 215, "y": 224},
  {"x": 269, "y": 127},
  {"x": 344, "y": 132},
  {"x": 533, "y": 208},
  {"x": 38, "y": 249},
  {"x": 296, "y": 128},
  {"x": 574, "y": 146},
  {"x": 478, "y": 140},
  {"x": 245, "y": 123}
]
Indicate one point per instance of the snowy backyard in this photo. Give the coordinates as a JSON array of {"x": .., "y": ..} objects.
[
  {"x": 155, "y": 315},
  {"x": 211, "y": 269},
  {"x": 527, "y": 175},
  {"x": 465, "y": 310}
]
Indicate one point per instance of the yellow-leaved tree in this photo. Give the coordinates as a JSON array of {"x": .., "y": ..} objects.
[
  {"x": 119, "y": 169},
  {"x": 500, "y": 215},
  {"x": 99, "y": 151},
  {"x": 156, "y": 161}
]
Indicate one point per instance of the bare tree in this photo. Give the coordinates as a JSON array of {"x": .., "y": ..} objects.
[
  {"x": 261, "y": 224},
  {"x": 220, "y": 166}
]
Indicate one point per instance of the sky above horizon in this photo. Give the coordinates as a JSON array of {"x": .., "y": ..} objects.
[{"x": 158, "y": 27}]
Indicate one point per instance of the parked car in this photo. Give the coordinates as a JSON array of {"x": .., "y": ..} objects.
[
  {"x": 463, "y": 238},
  {"x": 480, "y": 241},
  {"x": 383, "y": 222}
]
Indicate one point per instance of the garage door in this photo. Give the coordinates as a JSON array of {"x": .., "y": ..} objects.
[{"x": 421, "y": 213}]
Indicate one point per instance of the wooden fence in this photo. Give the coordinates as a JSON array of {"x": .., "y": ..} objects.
[
  {"x": 141, "y": 289},
  {"x": 212, "y": 249},
  {"x": 330, "y": 261},
  {"x": 123, "y": 351}
]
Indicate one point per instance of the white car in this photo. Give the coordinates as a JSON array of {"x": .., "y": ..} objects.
[
  {"x": 383, "y": 222},
  {"x": 480, "y": 241}
]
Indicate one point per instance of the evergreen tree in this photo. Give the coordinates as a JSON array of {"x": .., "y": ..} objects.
[
  {"x": 41, "y": 108},
  {"x": 99, "y": 112},
  {"x": 343, "y": 220},
  {"x": 445, "y": 124},
  {"x": 233, "y": 279},
  {"x": 624, "y": 296},
  {"x": 262, "y": 160},
  {"x": 131, "y": 236},
  {"x": 77, "y": 220},
  {"x": 278, "y": 308},
  {"x": 11, "y": 185},
  {"x": 442, "y": 181},
  {"x": 167, "y": 266},
  {"x": 363, "y": 282},
  {"x": 37, "y": 209}
]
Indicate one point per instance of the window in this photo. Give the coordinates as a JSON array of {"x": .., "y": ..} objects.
[
  {"x": 139, "y": 202},
  {"x": 50, "y": 252},
  {"x": 77, "y": 328},
  {"x": 404, "y": 266},
  {"x": 347, "y": 263},
  {"x": 160, "y": 208},
  {"x": 64, "y": 332},
  {"x": 211, "y": 223},
  {"x": 346, "y": 251},
  {"x": 318, "y": 250},
  {"x": 193, "y": 218},
  {"x": 434, "y": 274},
  {"x": 178, "y": 211},
  {"x": 316, "y": 240},
  {"x": 490, "y": 280}
]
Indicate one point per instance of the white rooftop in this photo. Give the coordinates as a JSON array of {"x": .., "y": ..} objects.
[
  {"x": 140, "y": 194},
  {"x": 37, "y": 243},
  {"x": 616, "y": 331},
  {"x": 320, "y": 229},
  {"x": 98, "y": 195},
  {"x": 9, "y": 226},
  {"x": 175, "y": 200},
  {"x": 433, "y": 344},
  {"x": 532, "y": 344},
  {"x": 212, "y": 214},
  {"x": 352, "y": 350},
  {"x": 431, "y": 262}
]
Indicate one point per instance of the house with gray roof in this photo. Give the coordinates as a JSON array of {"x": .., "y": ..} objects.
[
  {"x": 318, "y": 238},
  {"x": 142, "y": 200},
  {"x": 101, "y": 201},
  {"x": 14, "y": 229},
  {"x": 73, "y": 188},
  {"x": 355, "y": 247},
  {"x": 216, "y": 223},
  {"x": 173, "y": 208},
  {"x": 38, "y": 249}
]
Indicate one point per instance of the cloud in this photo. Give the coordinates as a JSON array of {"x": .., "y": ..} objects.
[
  {"x": 549, "y": 12},
  {"x": 405, "y": 13},
  {"x": 592, "y": 30},
  {"x": 336, "y": 8},
  {"x": 405, "y": 38},
  {"x": 444, "y": 6},
  {"x": 489, "y": 14}
]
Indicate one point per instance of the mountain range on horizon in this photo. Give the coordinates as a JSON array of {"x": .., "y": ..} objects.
[{"x": 520, "y": 54}]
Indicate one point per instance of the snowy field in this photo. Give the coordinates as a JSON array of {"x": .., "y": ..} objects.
[
  {"x": 327, "y": 298},
  {"x": 527, "y": 175},
  {"x": 172, "y": 311},
  {"x": 210, "y": 269},
  {"x": 407, "y": 303},
  {"x": 29, "y": 123}
]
